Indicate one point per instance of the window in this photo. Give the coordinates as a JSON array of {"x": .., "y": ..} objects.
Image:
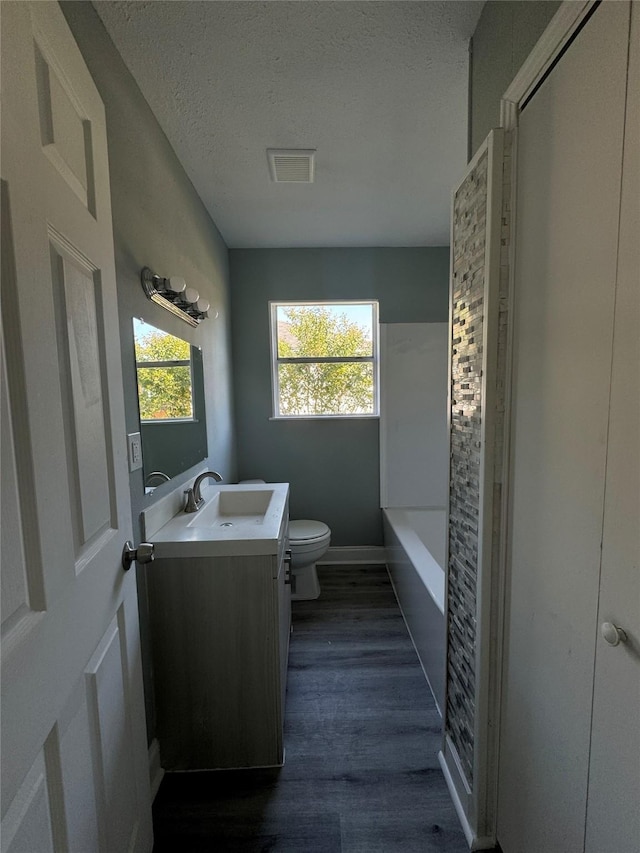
[
  {"x": 165, "y": 382},
  {"x": 324, "y": 359}
]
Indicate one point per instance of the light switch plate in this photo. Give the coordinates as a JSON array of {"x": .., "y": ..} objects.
[{"x": 134, "y": 444}]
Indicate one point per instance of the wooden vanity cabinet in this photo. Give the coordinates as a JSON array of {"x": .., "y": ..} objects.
[{"x": 220, "y": 631}]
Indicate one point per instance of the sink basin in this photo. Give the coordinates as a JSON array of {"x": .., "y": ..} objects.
[
  {"x": 244, "y": 519},
  {"x": 233, "y": 507}
]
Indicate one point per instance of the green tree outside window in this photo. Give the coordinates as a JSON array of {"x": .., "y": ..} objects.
[{"x": 163, "y": 365}]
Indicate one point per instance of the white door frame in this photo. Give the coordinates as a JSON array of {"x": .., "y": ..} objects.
[
  {"x": 561, "y": 29},
  {"x": 529, "y": 96},
  {"x": 558, "y": 34}
]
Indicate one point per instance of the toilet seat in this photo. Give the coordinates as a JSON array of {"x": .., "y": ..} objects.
[{"x": 307, "y": 532}]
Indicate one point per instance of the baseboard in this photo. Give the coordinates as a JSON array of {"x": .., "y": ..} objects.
[
  {"x": 156, "y": 772},
  {"x": 455, "y": 782},
  {"x": 457, "y": 802},
  {"x": 481, "y": 843},
  {"x": 354, "y": 554}
]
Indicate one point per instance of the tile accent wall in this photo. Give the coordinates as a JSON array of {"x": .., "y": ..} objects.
[{"x": 467, "y": 327}]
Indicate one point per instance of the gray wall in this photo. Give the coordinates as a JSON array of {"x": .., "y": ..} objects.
[
  {"x": 505, "y": 35},
  {"x": 332, "y": 465},
  {"x": 158, "y": 221}
]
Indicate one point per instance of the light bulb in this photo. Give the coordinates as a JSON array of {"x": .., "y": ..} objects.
[{"x": 175, "y": 284}]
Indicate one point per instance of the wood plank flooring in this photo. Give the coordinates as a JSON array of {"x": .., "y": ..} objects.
[{"x": 362, "y": 735}]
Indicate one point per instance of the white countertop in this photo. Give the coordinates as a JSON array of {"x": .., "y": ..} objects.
[{"x": 210, "y": 532}]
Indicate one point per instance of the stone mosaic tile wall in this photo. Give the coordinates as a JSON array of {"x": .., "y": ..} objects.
[{"x": 469, "y": 234}]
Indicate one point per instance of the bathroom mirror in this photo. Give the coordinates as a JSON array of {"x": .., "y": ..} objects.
[{"x": 170, "y": 403}]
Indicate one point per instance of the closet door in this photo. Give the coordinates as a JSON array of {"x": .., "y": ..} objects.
[
  {"x": 569, "y": 161},
  {"x": 613, "y": 807}
]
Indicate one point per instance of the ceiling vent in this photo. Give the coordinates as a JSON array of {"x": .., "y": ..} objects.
[{"x": 291, "y": 165}]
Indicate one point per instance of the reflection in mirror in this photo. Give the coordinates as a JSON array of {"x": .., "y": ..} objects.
[{"x": 170, "y": 403}]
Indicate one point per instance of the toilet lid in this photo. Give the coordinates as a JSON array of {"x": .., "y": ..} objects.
[{"x": 306, "y": 529}]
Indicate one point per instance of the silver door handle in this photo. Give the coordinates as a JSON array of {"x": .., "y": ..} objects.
[
  {"x": 613, "y": 634},
  {"x": 144, "y": 553}
]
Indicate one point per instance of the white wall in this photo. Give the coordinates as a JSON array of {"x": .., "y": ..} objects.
[{"x": 414, "y": 444}]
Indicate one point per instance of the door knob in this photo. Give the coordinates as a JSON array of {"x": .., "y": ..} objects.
[
  {"x": 613, "y": 634},
  {"x": 144, "y": 553}
]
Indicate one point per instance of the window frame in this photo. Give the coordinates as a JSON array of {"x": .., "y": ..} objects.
[{"x": 276, "y": 360}]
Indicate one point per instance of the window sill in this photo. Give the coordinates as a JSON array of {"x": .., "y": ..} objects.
[
  {"x": 162, "y": 421},
  {"x": 291, "y": 418}
]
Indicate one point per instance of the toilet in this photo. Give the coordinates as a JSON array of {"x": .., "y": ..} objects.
[{"x": 308, "y": 542}]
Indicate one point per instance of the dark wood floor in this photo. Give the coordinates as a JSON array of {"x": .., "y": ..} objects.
[{"x": 362, "y": 735}]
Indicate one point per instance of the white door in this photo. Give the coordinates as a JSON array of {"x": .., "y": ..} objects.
[
  {"x": 613, "y": 803},
  {"x": 570, "y": 141},
  {"x": 74, "y": 764}
]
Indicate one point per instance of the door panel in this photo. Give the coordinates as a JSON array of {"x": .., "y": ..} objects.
[
  {"x": 22, "y": 571},
  {"x": 75, "y": 772},
  {"x": 16, "y": 599},
  {"x": 64, "y": 133},
  {"x": 112, "y": 739},
  {"x": 613, "y": 815},
  {"x": 569, "y": 160},
  {"x": 80, "y": 803},
  {"x": 29, "y": 825},
  {"x": 77, "y": 286}
]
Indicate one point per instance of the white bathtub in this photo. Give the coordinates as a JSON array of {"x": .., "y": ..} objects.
[{"x": 415, "y": 542}]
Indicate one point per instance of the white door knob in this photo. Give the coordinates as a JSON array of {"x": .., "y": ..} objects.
[{"x": 613, "y": 634}]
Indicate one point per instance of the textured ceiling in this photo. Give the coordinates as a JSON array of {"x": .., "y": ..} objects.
[{"x": 378, "y": 88}]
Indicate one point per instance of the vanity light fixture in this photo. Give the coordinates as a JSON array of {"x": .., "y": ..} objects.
[{"x": 174, "y": 295}]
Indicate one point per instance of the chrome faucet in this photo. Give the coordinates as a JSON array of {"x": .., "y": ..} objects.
[{"x": 194, "y": 498}]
